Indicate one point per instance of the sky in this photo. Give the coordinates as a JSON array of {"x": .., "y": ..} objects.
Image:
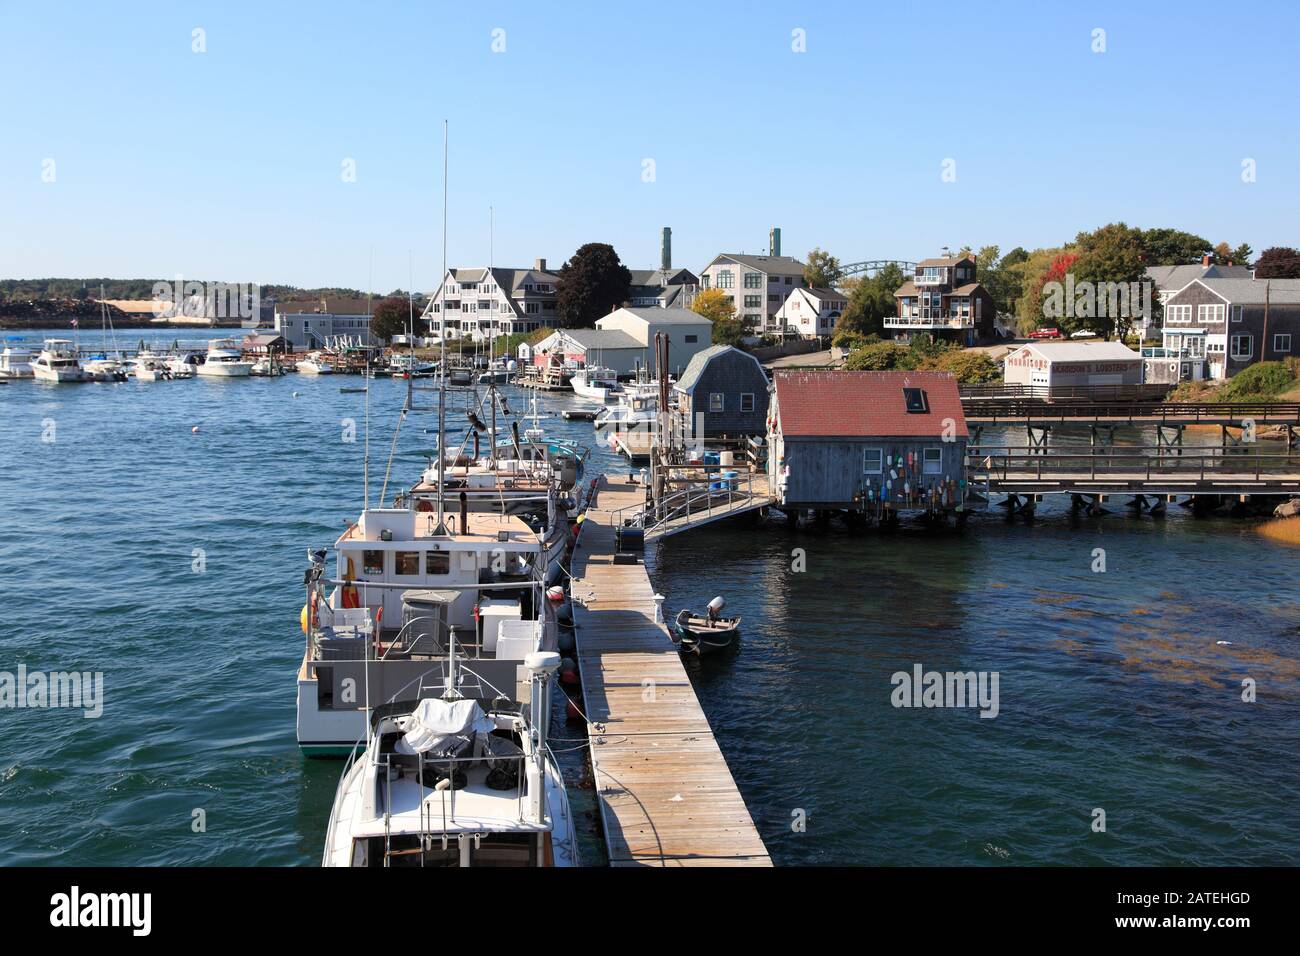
[{"x": 302, "y": 143}]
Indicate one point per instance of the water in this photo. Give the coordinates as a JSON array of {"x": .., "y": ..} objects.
[{"x": 1113, "y": 690}]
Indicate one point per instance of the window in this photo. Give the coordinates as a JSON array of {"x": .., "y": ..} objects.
[
  {"x": 717, "y": 401},
  {"x": 775, "y": 297},
  {"x": 872, "y": 461},
  {"x": 437, "y": 562},
  {"x": 406, "y": 563},
  {"x": 1282, "y": 342},
  {"x": 692, "y": 339},
  {"x": 917, "y": 403},
  {"x": 1176, "y": 314},
  {"x": 753, "y": 301},
  {"x": 753, "y": 280},
  {"x": 932, "y": 461},
  {"x": 372, "y": 562},
  {"x": 1209, "y": 313},
  {"x": 1241, "y": 347},
  {"x": 1236, "y": 313},
  {"x": 789, "y": 281},
  {"x": 726, "y": 279},
  {"x": 747, "y": 398}
]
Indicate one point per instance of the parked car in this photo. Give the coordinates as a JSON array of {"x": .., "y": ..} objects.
[
  {"x": 1052, "y": 332},
  {"x": 1083, "y": 334}
]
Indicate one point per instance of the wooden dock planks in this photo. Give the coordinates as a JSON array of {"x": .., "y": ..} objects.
[{"x": 666, "y": 795}]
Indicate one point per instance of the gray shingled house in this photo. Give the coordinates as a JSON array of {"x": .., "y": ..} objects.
[{"x": 723, "y": 393}]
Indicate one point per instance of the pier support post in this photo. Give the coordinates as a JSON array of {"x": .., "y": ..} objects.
[{"x": 1038, "y": 435}]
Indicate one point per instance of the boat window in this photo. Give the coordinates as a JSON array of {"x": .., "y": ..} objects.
[
  {"x": 916, "y": 400},
  {"x": 933, "y": 462},
  {"x": 406, "y": 563},
  {"x": 505, "y": 849},
  {"x": 372, "y": 562},
  {"x": 437, "y": 562}
]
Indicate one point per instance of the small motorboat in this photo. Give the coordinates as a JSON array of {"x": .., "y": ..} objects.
[{"x": 707, "y": 634}]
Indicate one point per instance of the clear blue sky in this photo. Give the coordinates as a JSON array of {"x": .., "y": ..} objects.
[{"x": 227, "y": 165}]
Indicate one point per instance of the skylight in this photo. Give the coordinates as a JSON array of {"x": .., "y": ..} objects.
[{"x": 917, "y": 402}]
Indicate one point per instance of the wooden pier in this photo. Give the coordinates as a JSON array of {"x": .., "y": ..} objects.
[{"x": 666, "y": 795}]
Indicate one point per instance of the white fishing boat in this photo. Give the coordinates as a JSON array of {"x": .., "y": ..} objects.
[
  {"x": 149, "y": 367},
  {"x": 595, "y": 383},
  {"x": 404, "y": 364},
  {"x": 315, "y": 364},
  {"x": 58, "y": 363},
  {"x": 630, "y": 426},
  {"x": 104, "y": 369},
  {"x": 15, "y": 362},
  {"x": 463, "y": 779},
  {"x": 225, "y": 360},
  {"x": 180, "y": 366}
]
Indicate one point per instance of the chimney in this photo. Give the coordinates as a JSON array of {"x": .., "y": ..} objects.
[
  {"x": 1206, "y": 261},
  {"x": 774, "y": 241},
  {"x": 666, "y": 249},
  {"x": 540, "y": 265}
]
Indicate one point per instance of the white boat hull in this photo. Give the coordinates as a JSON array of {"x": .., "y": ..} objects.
[
  {"x": 226, "y": 369},
  {"x": 60, "y": 375}
]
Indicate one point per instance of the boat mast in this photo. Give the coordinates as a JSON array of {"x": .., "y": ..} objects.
[
  {"x": 491, "y": 373},
  {"x": 442, "y": 361}
]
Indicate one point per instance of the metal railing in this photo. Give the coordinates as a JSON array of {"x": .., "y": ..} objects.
[
  {"x": 940, "y": 322},
  {"x": 698, "y": 500},
  {"x": 1020, "y": 410},
  {"x": 1147, "y": 462}
]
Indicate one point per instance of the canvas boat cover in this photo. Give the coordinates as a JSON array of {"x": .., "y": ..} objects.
[{"x": 441, "y": 725}]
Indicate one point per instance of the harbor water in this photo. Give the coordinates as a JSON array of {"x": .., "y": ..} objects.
[{"x": 171, "y": 561}]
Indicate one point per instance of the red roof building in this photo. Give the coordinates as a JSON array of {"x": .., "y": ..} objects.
[{"x": 867, "y": 440}]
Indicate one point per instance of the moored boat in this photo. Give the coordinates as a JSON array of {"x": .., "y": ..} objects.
[
  {"x": 225, "y": 360},
  {"x": 15, "y": 362},
  {"x": 707, "y": 633},
  {"x": 315, "y": 364},
  {"x": 58, "y": 363},
  {"x": 463, "y": 779}
]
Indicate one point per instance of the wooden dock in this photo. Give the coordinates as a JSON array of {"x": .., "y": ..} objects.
[{"x": 666, "y": 795}]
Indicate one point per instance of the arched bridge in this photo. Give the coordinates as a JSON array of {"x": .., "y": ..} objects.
[{"x": 870, "y": 267}]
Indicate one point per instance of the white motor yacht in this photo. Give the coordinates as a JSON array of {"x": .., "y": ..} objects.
[
  {"x": 15, "y": 362},
  {"x": 58, "y": 363},
  {"x": 225, "y": 360}
]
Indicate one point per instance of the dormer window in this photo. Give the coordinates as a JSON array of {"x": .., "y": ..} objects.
[{"x": 916, "y": 401}]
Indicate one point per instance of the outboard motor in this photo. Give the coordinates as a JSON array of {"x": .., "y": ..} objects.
[{"x": 715, "y": 608}]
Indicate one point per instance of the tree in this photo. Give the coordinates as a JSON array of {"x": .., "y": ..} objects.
[
  {"x": 716, "y": 306},
  {"x": 391, "y": 316},
  {"x": 970, "y": 366},
  {"x": 1225, "y": 254},
  {"x": 822, "y": 270},
  {"x": 1171, "y": 247},
  {"x": 591, "y": 284},
  {"x": 881, "y": 357},
  {"x": 1278, "y": 262},
  {"x": 869, "y": 302}
]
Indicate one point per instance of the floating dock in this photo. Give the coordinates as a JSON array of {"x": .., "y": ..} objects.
[{"x": 665, "y": 793}]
